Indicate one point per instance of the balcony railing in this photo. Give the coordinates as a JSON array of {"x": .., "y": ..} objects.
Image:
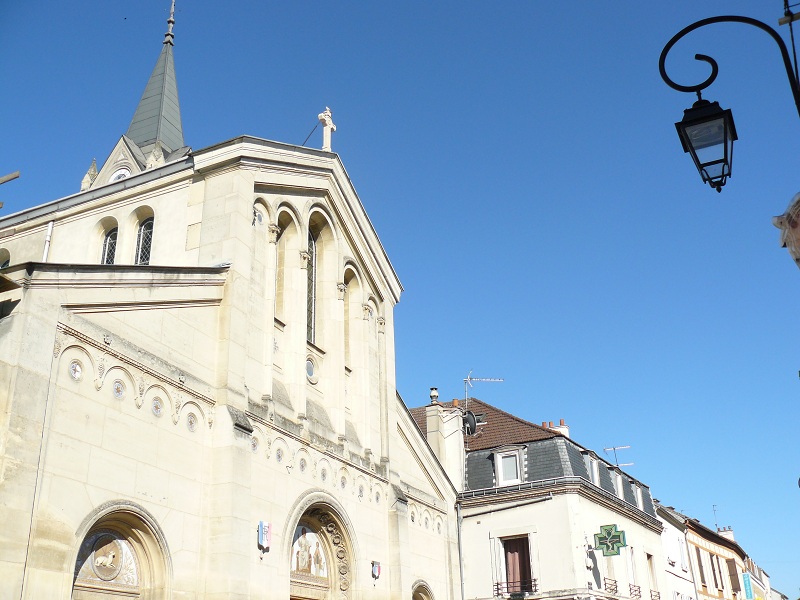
[
  {"x": 654, "y": 595},
  {"x": 610, "y": 585},
  {"x": 636, "y": 591},
  {"x": 529, "y": 586}
]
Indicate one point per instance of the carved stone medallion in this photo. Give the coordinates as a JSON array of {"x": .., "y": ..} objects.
[{"x": 106, "y": 559}]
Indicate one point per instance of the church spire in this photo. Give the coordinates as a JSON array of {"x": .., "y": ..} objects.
[
  {"x": 169, "y": 37},
  {"x": 158, "y": 115}
]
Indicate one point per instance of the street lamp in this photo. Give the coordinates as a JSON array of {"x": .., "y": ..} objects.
[{"x": 707, "y": 131}]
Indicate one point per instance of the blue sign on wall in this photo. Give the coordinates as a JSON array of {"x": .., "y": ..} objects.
[{"x": 748, "y": 587}]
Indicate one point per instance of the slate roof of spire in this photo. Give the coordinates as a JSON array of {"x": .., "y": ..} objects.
[{"x": 158, "y": 115}]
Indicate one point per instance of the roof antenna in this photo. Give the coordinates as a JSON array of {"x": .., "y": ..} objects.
[
  {"x": 714, "y": 508},
  {"x": 169, "y": 36},
  {"x": 468, "y": 382},
  {"x": 616, "y": 460}
]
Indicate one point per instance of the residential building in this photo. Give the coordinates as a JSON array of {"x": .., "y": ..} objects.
[
  {"x": 197, "y": 383},
  {"x": 679, "y": 578},
  {"x": 721, "y": 569},
  {"x": 540, "y": 515}
]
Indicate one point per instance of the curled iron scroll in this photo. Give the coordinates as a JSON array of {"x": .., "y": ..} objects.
[{"x": 714, "y": 69}]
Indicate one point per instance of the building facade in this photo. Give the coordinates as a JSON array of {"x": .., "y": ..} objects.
[
  {"x": 540, "y": 515},
  {"x": 197, "y": 384}
]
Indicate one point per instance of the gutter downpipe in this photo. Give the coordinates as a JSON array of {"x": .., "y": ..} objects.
[
  {"x": 48, "y": 236},
  {"x": 460, "y": 552}
]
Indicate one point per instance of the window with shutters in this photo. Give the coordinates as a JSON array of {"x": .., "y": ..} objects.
[
  {"x": 734, "y": 575},
  {"x": 684, "y": 560},
  {"x": 516, "y": 552},
  {"x": 700, "y": 568},
  {"x": 714, "y": 571}
]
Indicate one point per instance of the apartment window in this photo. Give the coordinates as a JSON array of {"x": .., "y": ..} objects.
[
  {"x": 714, "y": 571},
  {"x": 144, "y": 242},
  {"x": 734, "y": 575},
  {"x": 616, "y": 479},
  {"x": 518, "y": 565},
  {"x": 591, "y": 467},
  {"x": 311, "y": 294},
  {"x": 507, "y": 467},
  {"x": 721, "y": 585},
  {"x": 109, "y": 246},
  {"x": 682, "y": 548},
  {"x": 651, "y": 572},
  {"x": 631, "y": 566},
  {"x": 638, "y": 493},
  {"x": 700, "y": 566}
]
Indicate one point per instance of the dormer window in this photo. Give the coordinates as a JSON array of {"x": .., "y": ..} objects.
[{"x": 508, "y": 467}]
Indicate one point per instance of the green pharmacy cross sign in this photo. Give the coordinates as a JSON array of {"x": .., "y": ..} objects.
[{"x": 609, "y": 540}]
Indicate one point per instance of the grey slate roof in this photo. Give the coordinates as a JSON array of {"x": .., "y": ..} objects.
[{"x": 158, "y": 115}]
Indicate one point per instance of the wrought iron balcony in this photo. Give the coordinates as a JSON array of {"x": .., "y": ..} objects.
[
  {"x": 636, "y": 591},
  {"x": 525, "y": 586},
  {"x": 654, "y": 595},
  {"x": 610, "y": 585}
]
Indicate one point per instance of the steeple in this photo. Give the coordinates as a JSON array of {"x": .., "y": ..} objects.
[{"x": 158, "y": 116}]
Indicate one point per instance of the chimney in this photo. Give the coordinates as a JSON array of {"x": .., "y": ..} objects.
[
  {"x": 561, "y": 428},
  {"x": 727, "y": 533}
]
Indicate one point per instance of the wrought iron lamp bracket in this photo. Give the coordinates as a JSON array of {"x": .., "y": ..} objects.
[{"x": 787, "y": 63}]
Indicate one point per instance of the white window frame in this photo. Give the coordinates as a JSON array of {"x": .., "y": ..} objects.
[
  {"x": 683, "y": 552},
  {"x": 498, "y": 466}
]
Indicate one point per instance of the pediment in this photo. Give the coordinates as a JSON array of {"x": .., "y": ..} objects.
[{"x": 124, "y": 161}]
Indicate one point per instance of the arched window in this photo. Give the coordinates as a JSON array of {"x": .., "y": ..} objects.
[
  {"x": 109, "y": 246},
  {"x": 5, "y": 258},
  {"x": 144, "y": 242},
  {"x": 311, "y": 295}
]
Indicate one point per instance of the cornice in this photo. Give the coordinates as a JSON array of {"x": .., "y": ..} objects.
[
  {"x": 560, "y": 486},
  {"x": 32, "y": 217}
]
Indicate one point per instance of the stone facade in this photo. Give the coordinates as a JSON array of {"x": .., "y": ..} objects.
[{"x": 156, "y": 414}]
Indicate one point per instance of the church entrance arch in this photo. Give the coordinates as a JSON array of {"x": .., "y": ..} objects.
[
  {"x": 121, "y": 555},
  {"x": 421, "y": 591},
  {"x": 321, "y": 565}
]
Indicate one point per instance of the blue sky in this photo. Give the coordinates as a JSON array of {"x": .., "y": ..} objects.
[{"x": 520, "y": 163}]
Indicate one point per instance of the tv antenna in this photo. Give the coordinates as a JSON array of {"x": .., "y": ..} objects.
[
  {"x": 714, "y": 508},
  {"x": 616, "y": 460},
  {"x": 468, "y": 384}
]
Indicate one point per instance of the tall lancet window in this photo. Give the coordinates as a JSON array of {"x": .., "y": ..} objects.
[
  {"x": 110, "y": 246},
  {"x": 311, "y": 296},
  {"x": 144, "y": 242}
]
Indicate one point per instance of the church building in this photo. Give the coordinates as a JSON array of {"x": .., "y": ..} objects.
[{"x": 197, "y": 383}]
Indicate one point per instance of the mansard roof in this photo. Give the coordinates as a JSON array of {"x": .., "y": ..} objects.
[{"x": 499, "y": 429}]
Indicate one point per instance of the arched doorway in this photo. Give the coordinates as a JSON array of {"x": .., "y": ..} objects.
[
  {"x": 421, "y": 591},
  {"x": 320, "y": 557},
  {"x": 120, "y": 556}
]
